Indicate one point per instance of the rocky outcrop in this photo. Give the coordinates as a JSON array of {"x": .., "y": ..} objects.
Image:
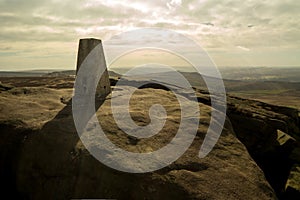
[
  {"x": 292, "y": 186},
  {"x": 5, "y": 87},
  {"x": 270, "y": 133},
  {"x": 42, "y": 157},
  {"x": 53, "y": 164}
]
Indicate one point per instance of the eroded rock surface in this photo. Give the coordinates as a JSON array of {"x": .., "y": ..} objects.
[
  {"x": 53, "y": 164},
  {"x": 271, "y": 134},
  {"x": 292, "y": 186}
]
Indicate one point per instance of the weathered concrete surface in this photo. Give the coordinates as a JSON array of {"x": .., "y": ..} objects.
[{"x": 85, "y": 47}]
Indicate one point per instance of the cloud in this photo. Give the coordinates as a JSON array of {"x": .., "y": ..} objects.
[
  {"x": 243, "y": 48},
  {"x": 218, "y": 25},
  {"x": 208, "y": 23},
  {"x": 173, "y": 4}
]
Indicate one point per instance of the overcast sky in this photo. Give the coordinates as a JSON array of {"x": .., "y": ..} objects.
[{"x": 43, "y": 34}]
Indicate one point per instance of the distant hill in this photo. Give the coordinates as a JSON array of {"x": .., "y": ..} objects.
[
  {"x": 61, "y": 73},
  {"x": 282, "y": 74},
  {"x": 35, "y": 73},
  {"x": 21, "y": 73},
  {"x": 44, "y": 73}
]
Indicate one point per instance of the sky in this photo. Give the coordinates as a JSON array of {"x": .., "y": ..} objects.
[{"x": 44, "y": 34}]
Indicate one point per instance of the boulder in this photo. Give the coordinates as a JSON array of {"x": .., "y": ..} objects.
[
  {"x": 292, "y": 187},
  {"x": 5, "y": 87},
  {"x": 286, "y": 143}
]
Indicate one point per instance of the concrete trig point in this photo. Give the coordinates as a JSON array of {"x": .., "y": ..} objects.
[{"x": 85, "y": 47}]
